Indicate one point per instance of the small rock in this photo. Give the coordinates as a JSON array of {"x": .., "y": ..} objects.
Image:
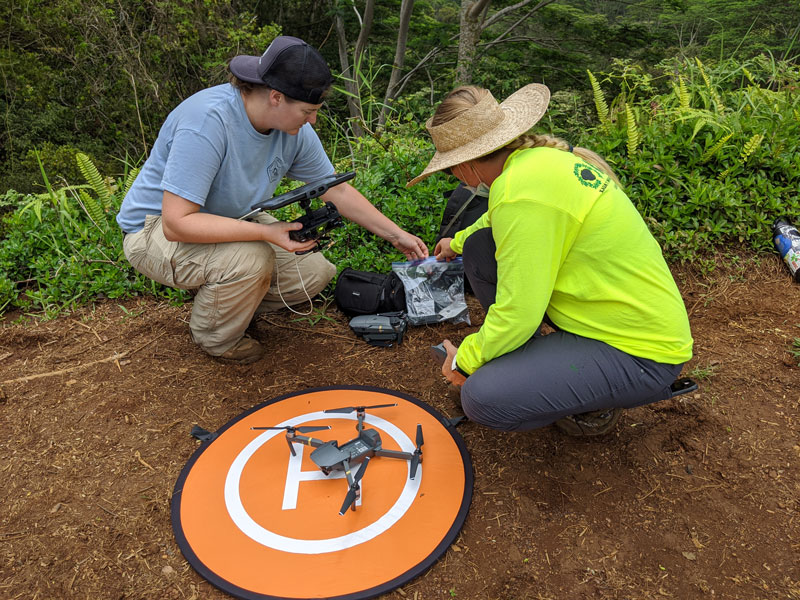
[
  {"x": 167, "y": 571},
  {"x": 689, "y": 555}
]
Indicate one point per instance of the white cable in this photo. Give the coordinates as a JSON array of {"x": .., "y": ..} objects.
[{"x": 302, "y": 284}]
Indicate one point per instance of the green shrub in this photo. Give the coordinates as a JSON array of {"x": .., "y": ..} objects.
[
  {"x": 716, "y": 155},
  {"x": 709, "y": 154},
  {"x": 62, "y": 248},
  {"x": 103, "y": 76},
  {"x": 383, "y": 168}
]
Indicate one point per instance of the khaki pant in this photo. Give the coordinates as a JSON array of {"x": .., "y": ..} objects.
[{"x": 231, "y": 279}]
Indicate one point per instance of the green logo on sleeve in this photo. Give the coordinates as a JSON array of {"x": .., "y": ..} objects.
[{"x": 589, "y": 175}]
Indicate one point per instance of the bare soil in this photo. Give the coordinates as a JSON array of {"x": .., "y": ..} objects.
[{"x": 693, "y": 497}]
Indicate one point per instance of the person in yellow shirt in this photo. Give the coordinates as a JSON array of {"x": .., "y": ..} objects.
[{"x": 561, "y": 243}]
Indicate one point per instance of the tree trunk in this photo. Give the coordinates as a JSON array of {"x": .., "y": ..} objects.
[
  {"x": 393, "y": 88},
  {"x": 471, "y": 18},
  {"x": 350, "y": 85},
  {"x": 352, "y": 73}
]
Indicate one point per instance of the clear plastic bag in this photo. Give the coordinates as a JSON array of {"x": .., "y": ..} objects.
[{"x": 434, "y": 290}]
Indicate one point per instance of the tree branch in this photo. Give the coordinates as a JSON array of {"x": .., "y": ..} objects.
[
  {"x": 366, "y": 29},
  {"x": 509, "y": 9},
  {"x": 477, "y": 8},
  {"x": 358, "y": 14},
  {"x": 429, "y": 56},
  {"x": 499, "y": 38}
]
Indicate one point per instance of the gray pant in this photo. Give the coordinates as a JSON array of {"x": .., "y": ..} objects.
[
  {"x": 551, "y": 376},
  {"x": 232, "y": 280}
]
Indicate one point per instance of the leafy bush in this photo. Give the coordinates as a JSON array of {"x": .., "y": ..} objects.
[
  {"x": 102, "y": 76},
  {"x": 63, "y": 248},
  {"x": 713, "y": 159},
  {"x": 709, "y": 154},
  {"x": 383, "y": 168}
]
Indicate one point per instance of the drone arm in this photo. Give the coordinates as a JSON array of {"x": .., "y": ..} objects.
[
  {"x": 394, "y": 454},
  {"x": 360, "y": 425},
  {"x": 308, "y": 441}
]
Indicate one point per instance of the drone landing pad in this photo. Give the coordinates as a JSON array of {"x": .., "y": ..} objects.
[{"x": 259, "y": 523}]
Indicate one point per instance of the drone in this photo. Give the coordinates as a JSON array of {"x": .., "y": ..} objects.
[{"x": 330, "y": 457}]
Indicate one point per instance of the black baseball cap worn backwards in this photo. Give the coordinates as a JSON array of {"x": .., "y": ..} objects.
[{"x": 289, "y": 65}]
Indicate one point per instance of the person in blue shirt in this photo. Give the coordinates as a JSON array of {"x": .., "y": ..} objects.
[{"x": 219, "y": 152}]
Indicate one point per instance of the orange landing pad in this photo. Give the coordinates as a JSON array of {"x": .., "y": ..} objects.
[{"x": 259, "y": 523}]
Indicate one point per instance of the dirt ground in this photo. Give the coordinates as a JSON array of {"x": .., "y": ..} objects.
[{"x": 694, "y": 497}]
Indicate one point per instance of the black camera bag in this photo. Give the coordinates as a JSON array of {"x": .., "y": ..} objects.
[{"x": 366, "y": 293}]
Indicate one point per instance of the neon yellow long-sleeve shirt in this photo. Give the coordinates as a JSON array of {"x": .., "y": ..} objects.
[{"x": 570, "y": 243}]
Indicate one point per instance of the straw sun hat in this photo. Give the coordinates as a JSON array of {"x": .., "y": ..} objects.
[{"x": 484, "y": 128}]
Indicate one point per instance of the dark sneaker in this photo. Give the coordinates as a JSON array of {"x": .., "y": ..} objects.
[
  {"x": 244, "y": 352},
  {"x": 597, "y": 422}
]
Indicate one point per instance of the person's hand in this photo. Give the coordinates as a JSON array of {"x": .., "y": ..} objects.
[
  {"x": 278, "y": 233},
  {"x": 443, "y": 250},
  {"x": 410, "y": 245},
  {"x": 454, "y": 377}
]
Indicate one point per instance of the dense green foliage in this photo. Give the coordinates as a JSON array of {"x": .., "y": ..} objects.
[
  {"x": 100, "y": 77},
  {"x": 705, "y": 142},
  {"x": 717, "y": 154},
  {"x": 710, "y": 155},
  {"x": 63, "y": 248}
]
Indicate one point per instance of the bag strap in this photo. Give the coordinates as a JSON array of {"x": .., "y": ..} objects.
[{"x": 459, "y": 211}]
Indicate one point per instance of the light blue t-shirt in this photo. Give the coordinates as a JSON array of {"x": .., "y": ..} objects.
[{"x": 209, "y": 153}]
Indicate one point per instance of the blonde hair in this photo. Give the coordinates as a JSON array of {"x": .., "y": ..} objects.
[
  {"x": 458, "y": 101},
  {"x": 465, "y": 97}
]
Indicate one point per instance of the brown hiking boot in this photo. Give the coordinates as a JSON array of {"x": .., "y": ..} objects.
[
  {"x": 244, "y": 352},
  {"x": 597, "y": 422}
]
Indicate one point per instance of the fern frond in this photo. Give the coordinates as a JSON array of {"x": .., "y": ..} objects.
[
  {"x": 92, "y": 208},
  {"x": 93, "y": 178},
  {"x": 129, "y": 180},
  {"x": 748, "y": 75},
  {"x": 710, "y": 152},
  {"x": 751, "y": 146},
  {"x": 699, "y": 124},
  {"x": 711, "y": 118},
  {"x": 714, "y": 95},
  {"x": 599, "y": 99},
  {"x": 702, "y": 71},
  {"x": 683, "y": 94},
  {"x": 634, "y": 136}
]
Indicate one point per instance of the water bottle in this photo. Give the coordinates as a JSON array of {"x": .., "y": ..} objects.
[{"x": 787, "y": 241}]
